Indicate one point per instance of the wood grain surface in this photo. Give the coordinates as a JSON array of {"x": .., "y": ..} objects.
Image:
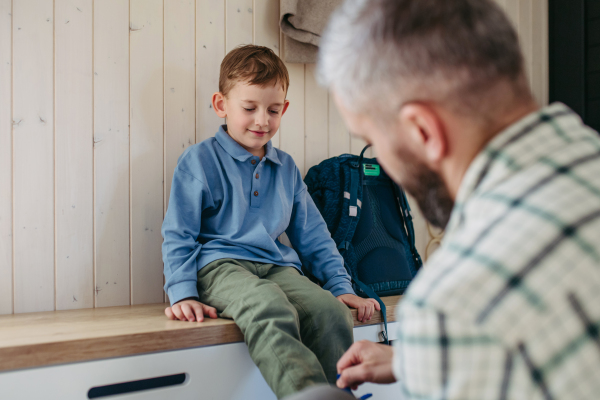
[{"x": 55, "y": 337}]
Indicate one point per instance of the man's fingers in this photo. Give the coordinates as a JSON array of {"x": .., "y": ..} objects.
[
  {"x": 351, "y": 356},
  {"x": 353, "y": 376}
]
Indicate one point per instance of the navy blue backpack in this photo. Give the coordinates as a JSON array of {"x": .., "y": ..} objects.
[{"x": 369, "y": 219}]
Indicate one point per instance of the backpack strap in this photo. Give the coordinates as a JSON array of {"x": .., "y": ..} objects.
[
  {"x": 356, "y": 180},
  {"x": 353, "y": 211},
  {"x": 407, "y": 218},
  {"x": 369, "y": 292}
]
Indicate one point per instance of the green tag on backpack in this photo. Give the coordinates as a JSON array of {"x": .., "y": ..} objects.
[{"x": 371, "y": 169}]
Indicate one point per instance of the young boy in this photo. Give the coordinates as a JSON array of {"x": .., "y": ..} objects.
[{"x": 232, "y": 196}]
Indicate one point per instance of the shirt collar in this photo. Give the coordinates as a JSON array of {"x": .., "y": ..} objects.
[
  {"x": 504, "y": 156},
  {"x": 236, "y": 151}
]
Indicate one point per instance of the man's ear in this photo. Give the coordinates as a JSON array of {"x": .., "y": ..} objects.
[
  {"x": 218, "y": 103},
  {"x": 285, "y": 107},
  {"x": 426, "y": 130}
]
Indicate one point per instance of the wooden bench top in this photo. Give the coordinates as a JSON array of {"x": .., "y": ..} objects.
[{"x": 56, "y": 337}]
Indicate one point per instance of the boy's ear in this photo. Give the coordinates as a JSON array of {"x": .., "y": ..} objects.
[
  {"x": 218, "y": 103},
  {"x": 285, "y": 107}
]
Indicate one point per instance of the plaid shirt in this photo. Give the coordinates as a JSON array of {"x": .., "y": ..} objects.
[{"x": 509, "y": 306}]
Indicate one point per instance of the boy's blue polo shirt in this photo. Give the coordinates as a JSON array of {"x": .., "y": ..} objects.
[{"x": 227, "y": 203}]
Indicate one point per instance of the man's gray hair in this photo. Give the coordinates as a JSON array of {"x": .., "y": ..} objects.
[{"x": 380, "y": 54}]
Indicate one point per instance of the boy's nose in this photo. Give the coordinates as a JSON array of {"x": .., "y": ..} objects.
[{"x": 261, "y": 119}]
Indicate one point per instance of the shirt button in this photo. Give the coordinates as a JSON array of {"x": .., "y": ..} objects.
[
  {"x": 253, "y": 162},
  {"x": 256, "y": 176},
  {"x": 255, "y": 193}
]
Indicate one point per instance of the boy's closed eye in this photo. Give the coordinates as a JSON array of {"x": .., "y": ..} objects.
[{"x": 272, "y": 111}]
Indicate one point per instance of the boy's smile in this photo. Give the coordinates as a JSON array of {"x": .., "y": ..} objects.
[{"x": 253, "y": 113}]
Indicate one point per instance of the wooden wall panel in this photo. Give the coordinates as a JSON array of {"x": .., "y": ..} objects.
[
  {"x": 511, "y": 7},
  {"x": 316, "y": 100},
  {"x": 33, "y": 115},
  {"x": 111, "y": 152},
  {"x": 339, "y": 138},
  {"x": 539, "y": 65},
  {"x": 147, "y": 148},
  {"x": 74, "y": 155},
  {"x": 266, "y": 24},
  {"x": 6, "y": 209},
  {"x": 238, "y": 23},
  {"x": 291, "y": 130},
  {"x": 210, "y": 50},
  {"x": 180, "y": 81},
  {"x": 526, "y": 36}
]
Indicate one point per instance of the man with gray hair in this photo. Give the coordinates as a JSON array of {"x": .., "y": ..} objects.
[{"x": 509, "y": 306}]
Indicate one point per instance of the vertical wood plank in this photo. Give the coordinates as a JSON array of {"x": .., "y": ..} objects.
[
  {"x": 501, "y": 3},
  {"x": 238, "y": 29},
  {"x": 339, "y": 139},
  {"x": 315, "y": 100},
  {"x": 147, "y": 150},
  {"x": 33, "y": 55},
  {"x": 292, "y": 123},
  {"x": 512, "y": 10},
  {"x": 525, "y": 36},
  {"x": 266, "y": 33},
  {"x": 111, "y": 152},
  {"x": 266, "y": 24},
  {"x": 6, "y": 209},
  {"x": 210, "y": 50},
  {"x": 74, "y": 155},
  {"x": 537, "y": 61},
  {"x": 180, "y": 80},
  {"x": 544, "y": 69}
]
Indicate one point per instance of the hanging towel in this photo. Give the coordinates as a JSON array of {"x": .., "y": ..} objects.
[{"x": 302, "y": 22}]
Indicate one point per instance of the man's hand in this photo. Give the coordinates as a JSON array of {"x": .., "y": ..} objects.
[
  {"x": 190, "y": 310},
  {"x": 365, "y": 362},
  {"x": 365, "y": 307}
]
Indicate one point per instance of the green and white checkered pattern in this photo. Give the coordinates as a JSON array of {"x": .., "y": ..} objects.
[{"x": 509, "y": 306}]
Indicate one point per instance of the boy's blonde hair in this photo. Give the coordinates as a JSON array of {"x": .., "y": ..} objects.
[{"x": 258, "y": 65}]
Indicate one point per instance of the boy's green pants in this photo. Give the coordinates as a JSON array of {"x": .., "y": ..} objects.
[{"x": 295, "y": 331}]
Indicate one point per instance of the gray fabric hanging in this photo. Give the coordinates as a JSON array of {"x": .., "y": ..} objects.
[{"x": 302, "y": 22}]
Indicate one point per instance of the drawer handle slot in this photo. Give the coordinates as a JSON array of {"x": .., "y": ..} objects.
[{"x": 136, "y": 386}]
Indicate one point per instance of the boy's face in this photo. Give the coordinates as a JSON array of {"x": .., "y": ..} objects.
[{"x": 253, "y": 114}]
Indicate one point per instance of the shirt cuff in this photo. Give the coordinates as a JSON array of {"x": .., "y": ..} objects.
[
  {"x": 343, "y": 287},
  {"x": 181, "y": 290}
]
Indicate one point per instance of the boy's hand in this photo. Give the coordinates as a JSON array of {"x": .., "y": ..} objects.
[
  {"x": 190, "y": 310},
  {"x": 365, "y": 307}
]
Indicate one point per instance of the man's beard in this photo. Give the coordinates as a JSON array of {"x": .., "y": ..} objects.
[{"x": 428, "y": 189}]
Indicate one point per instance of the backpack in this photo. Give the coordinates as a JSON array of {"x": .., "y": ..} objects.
[{"x": 369, "y": 219}]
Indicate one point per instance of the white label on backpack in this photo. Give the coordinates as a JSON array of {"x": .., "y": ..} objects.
[
  {"x": 353, "y": 211},
  {"x": 347, "y": 196}
]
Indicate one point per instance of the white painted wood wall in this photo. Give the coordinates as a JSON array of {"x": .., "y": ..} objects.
[{"x": 98, "y": 98}]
